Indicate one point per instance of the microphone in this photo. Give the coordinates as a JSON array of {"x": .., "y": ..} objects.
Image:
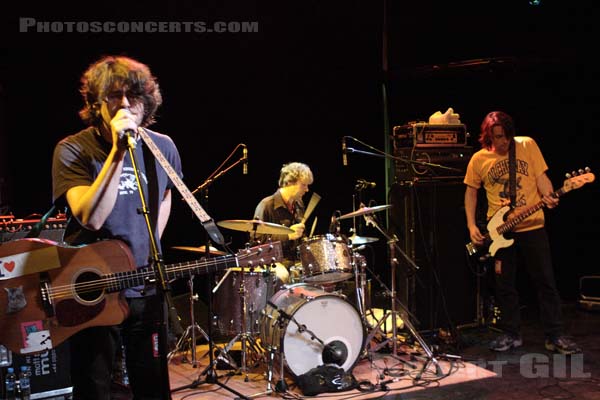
[
  {"x": 245, "y": 166},
  {"x": 363, "y": 184},
  {"x": 129, "y": 136},
  {"x": 334, "y": 225},
  {"x": 335, "y": 352},
  {"x": 344, "y": 150},
  {"x": 126, "y": 133}
]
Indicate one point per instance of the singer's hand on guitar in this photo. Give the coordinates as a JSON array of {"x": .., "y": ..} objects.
[{"x": 298, "y": 231}]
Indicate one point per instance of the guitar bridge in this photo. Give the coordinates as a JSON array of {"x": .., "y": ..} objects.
[{"x": 45, "y": 294}]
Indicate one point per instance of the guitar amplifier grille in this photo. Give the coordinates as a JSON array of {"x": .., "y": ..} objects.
[
  {"x": 12, "y": 229},
  {"x": 452, "y": 163}
]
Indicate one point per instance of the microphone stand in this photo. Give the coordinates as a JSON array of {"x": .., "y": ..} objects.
[
  {"x": 211, "y": 179},
  {"x": 392, "y": 241},
  {"x": 281, "y": 386},
  {"x": 404, "y": 160},
  {"x": 163, "y": 288},
  {"x": 211, "y": 375}
]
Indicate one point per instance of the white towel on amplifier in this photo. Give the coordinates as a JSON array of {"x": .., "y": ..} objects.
[{"x": 447, "y": 118}]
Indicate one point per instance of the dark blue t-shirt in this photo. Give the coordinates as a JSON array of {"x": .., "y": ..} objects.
[{"x": 78, "y": 160}]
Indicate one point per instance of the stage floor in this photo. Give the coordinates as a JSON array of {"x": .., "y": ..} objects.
[
  {"x": 479, "y": 374},
  {"x": 380, "y": 374}
]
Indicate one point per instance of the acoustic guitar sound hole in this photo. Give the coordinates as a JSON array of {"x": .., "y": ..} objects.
[{"x": 88, "y": 286}]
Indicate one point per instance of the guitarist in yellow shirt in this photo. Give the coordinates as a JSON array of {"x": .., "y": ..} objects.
[{"x": 489, "y": 169}]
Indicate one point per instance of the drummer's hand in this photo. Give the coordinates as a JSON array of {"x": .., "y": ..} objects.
[{"x": 298, "y": 231}]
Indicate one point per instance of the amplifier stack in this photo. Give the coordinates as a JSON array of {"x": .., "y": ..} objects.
[{"x": 427, "y": 151}]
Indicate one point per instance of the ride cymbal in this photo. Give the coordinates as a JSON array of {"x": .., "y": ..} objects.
[
  {"x": 365, "y": 210},
  {"x": 358, "y": 240},
  {"x": 255, "y": 225}
]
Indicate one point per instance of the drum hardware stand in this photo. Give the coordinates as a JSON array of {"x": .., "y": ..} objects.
[
  {"x": 210, "y": 371},
  {"x": 269, "y": 391},
  {"x": 392, "y": 242},
  {"x": 190, "y": 332},
  {"x": 244, "y": 337},
  {"x": 281, "y": 385},
  {"x": 360, "y": 283}
]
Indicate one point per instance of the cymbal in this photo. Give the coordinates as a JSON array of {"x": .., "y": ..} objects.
[
  {"x": 255, "y": 225},
  {"x": 365, "y": 210},
  {"x": 358, "y": 240},
  {"x": 201, "y": 249}
]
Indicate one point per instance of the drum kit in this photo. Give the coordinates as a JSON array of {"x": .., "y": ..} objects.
[{"x": 300, "y": 324}]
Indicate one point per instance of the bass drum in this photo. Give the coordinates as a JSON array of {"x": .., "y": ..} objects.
[{"x": 326, "y": 316}]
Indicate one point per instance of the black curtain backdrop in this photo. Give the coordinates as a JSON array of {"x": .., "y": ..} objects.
[{"x": 311, "y": 75}]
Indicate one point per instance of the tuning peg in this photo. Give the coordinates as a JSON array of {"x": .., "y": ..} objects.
[
  {"x": 574, "y": 173},
  {"x": 568, "y": 175},
  {"x": 587, "y": 169}
]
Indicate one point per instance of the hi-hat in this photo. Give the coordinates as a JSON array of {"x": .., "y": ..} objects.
[
  {"x": 358, "y": 240},
  {"x": 201, "y": 249},
  {"x": 365, "y": 210},
  {"x": 255, "y": 225}
]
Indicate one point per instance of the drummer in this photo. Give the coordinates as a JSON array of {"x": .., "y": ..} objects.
[{"x": 285, "y": 207}]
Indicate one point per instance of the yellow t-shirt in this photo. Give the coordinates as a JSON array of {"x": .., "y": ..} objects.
[{"x": 490, "y": 170}]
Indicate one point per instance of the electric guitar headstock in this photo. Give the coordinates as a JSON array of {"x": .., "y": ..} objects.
[
  {"x": 577, "y": 179},
  {"x": 261, "y": 255}
]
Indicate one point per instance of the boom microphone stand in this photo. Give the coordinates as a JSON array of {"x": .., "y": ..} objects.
[
  {"x": 210, "y": 372},
  {"x": 392, "y": 241}
]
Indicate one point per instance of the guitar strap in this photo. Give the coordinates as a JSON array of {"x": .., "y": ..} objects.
[
  {"x": 153, "y": 197},
  {"x": 512, "y": 174},
  {"x": 207, "y": 222}
]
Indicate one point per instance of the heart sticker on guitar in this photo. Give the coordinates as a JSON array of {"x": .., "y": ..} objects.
[{"x": 9, "y": 266}]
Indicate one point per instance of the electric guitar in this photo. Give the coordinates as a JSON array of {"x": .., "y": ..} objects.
[
  {"x": 49, "y": 291},
  {"x": 497, "y": 227}
]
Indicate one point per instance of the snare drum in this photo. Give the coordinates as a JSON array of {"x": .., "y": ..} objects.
[
  {"x": 228, "y": 309},
  {"x": 327, "y": 316},
  {"x": 325, "y": 259}
]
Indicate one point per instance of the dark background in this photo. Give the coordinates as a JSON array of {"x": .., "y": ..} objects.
[{"x": 313, "y": 73}]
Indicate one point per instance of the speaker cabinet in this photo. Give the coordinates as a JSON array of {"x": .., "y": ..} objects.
[{"x": 428, "y": 218}]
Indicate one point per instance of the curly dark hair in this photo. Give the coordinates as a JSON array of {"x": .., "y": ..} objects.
[
  {"x": 293, "y": 172},
  {"x": 492, "y": 119},
  {"x": 113, "y": 73}
]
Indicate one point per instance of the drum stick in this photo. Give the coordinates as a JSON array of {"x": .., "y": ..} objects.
[
  {"x": 222, "y": 279},
  {"x": 314, "y": 200},
  {"x": 314, "y": 225}
]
